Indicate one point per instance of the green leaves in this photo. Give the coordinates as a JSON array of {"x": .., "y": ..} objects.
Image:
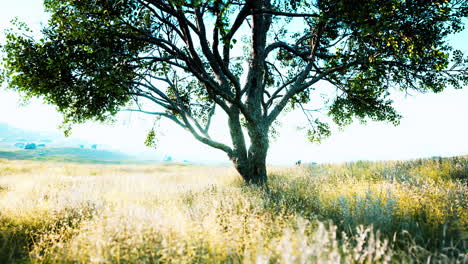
[
  {"x": 391, "y": 44},
  {"x": 318, "y": 132},
  {"x": 83, "y": 65},
  {"x": 349, "y": 106},
  {"x": 151, "y": 140}
]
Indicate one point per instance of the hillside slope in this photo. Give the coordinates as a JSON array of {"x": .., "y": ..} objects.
[{"x": 65, "y": 154}]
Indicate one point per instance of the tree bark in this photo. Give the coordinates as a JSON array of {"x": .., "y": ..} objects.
[{"x": 252, "y": 167}]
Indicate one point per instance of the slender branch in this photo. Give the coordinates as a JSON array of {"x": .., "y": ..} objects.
[
  {"x": 163, "y": 114},
  {"x": 285, "y": 14},
  {"x": 281, "y": 88},
  {"x": 306, "y": 114},
  {"x": 154, "y": 100},
  {"x": 299, "y": 87},
  {"x": 224, "y": 64},
  {"x": 162, "y": 19}
]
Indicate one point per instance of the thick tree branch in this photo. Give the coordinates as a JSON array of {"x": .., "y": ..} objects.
[
  {"x": 209, "y": 118},
  {"x": 304, "y": 54},
  {"x": 208, "y": 141},
  {"x": 243, "y": 14}
]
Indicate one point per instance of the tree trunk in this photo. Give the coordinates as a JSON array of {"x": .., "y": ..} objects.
[
  {"x": 257, "y": 173},
  {"x": 253, "y": 170},
  {"x": 253, "y": 167},
  {"x": 251, "y": 164}
]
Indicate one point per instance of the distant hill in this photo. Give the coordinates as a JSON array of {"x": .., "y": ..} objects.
[
  {"x": 10, "y": 134},
  {"x": 53, "y": 146},
  {"x": 66, "y": 155}
]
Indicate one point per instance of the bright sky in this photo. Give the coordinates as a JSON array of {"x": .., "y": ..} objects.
[{"x": 433, "y": 124}]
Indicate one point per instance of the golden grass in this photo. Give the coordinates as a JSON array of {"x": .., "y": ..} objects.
[{"x": 349, "y": 213}]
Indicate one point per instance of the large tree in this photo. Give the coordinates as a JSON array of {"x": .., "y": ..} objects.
[{"x": 251, "y": 59}]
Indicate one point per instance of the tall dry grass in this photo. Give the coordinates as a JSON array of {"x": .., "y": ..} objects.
[{"x": 364, "y": 212}]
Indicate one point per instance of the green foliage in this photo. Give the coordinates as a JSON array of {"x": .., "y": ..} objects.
[
  {"x": 318, "y": 132},
  {"x": 391, "y": 49},
  {"x": 151, "y": 140},
  {"x": 393, "y": 44},
  {"x": 81, "y": 65}
]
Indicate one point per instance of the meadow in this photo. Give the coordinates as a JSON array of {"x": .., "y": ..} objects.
[{"x": 361, "y": 212}]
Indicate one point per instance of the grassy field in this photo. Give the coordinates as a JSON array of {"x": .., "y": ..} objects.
[{"x": 363, "y": 212}]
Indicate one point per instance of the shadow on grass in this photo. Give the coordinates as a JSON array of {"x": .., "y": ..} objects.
[{"x": 20, "y": 235}]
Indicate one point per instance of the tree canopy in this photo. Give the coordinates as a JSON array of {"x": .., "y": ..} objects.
[{"x": 250, "y": 59}]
